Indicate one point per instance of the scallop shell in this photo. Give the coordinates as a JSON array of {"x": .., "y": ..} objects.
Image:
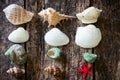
[
  {"x": 53, "y": 17},
  {"x": 55, "y": 37},
  {"x": 16, "y": 71},
  {"x": 54, "y": 53},
  {"x": 90, "y": 15},
  {"x": 88, "y": 36},
  {"x": 53, "y": 70},
  {"x": 17, "y": 54},
  {"x": 19, "y": 35},
  {"x": 90, "y": 57},
  {"x": 17, "y": 15}
]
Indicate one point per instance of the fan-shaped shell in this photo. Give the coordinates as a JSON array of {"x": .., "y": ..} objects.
[
  {"x": 17, "y": 15},
  {"x": 90, "y": 15},
  {"x": 16, "y": 53},
  {"x": 19, "y": 35},
  {"x": 88, "y": 36},
  {"x": 55, "y": 37},
  {"x": 53, "y": 17}
]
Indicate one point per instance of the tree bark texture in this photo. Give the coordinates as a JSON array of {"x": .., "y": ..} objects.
[{"x": 107, "y": 65}]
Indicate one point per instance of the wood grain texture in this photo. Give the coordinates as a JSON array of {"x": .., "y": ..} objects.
[
  {"x": 37, "y": 48},
  {"x": 5, "y": 29}
]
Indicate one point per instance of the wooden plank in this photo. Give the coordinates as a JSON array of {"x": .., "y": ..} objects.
[
  {"x": 107, "y": 66},
  {"x": 37, "y": 48},
  {"x": 5, "y": 29}
]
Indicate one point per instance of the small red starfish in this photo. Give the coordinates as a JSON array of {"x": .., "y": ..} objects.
[{"x": 85, "y": 70}]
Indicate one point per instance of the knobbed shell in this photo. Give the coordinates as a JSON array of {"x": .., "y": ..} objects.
[
  {"x": 20, "y": 35},
  {"x": 54, "y": 53},
  {"x": 53, "y": 17},
  {"x": 53, "y": 70},
  {"x": 90, "y": 15},
  {"x": 15, "y": 71},
  {"x": 89, "y": 57},
  {"x": 17, "y": 54},
  {"x": 17, "y": 15},
  {"x": 88, "y": 36},
  {"x": 55, "y": 37}
]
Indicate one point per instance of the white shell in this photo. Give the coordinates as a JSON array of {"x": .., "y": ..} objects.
[
  {"x": 88, "y": 37},
  {"x": 17, "y": 15},
  {"x": 19, "y": 35},
  {"x": 55, "y": 37},
  {"x": 90, "y": 15}
]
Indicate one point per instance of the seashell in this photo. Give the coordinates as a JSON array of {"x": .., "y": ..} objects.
[
  {"x": 88, "y": 37},
  {"x": 54, "y": 53},
  {"x": 55, "y": 37},
  {"x": 53, "y": 70},
  {"x": 16, "y": 71},
  {"x": 17, "y": 15},
  {"x": 17, "y": 54},
  {"x": 53, "y": 17},
  {"x": 89, "y": 57},
  {"x": 19, "y": 35},
  {"x": 90, "y": 15}
]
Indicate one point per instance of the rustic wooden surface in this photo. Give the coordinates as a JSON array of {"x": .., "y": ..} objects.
[{"x": 107, "y": 66}]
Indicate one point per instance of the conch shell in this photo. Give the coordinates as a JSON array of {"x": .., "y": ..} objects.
[
  {"x": 55, "y": 37},
  {"x": 53, "y": 17},
  {"x": 16, "y": 71},
  {"x": 53, "y": 70},
  {"x": 90, "y": 15},
  {"x": 20, "y": 35},
  {"x": 17, "y": 15},
  {"x": 88, "y": 36},
  {"x": 16, "y": 53}
]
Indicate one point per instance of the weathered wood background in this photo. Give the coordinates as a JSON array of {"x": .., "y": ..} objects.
[{"x": 107, "y": 66}]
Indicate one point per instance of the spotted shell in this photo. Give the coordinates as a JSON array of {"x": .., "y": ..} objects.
[
  {"x": 17, "y": 15},
  {"x": 53, "y": 17},
  {"x": 53, "y": 70},
  {"x": 89, "y": 15},
  {"x": 17, "y": 54}
]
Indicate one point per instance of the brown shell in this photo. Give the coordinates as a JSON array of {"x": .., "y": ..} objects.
[
  {"x": 53, "y": 70},
  {"x": 16, "y": 71},
  {"x": 53, "y": 17},
  {"x": 17, "y": 15}
]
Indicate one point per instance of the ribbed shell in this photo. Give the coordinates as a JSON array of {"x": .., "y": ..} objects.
[{"x": 17, "y": 15}]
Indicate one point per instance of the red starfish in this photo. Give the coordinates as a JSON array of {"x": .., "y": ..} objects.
[{"x": 85, "y": 70}]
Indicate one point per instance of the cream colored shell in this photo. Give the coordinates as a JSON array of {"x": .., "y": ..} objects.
[
  {"x": 53, "y": 17},
  {"x": 88, "y": 36},
  {"x": 89, "y": 15},
  {"x": 55, "y": 37},
  {"x": 19, "y": 35},
  {"x": 17, "y": 15}
]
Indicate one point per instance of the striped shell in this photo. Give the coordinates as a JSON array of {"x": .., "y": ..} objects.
[{"x": 17, "y": 15}]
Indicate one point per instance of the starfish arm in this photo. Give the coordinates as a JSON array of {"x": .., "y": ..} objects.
[
  {"x": 80, "y": 70},
  {"x": 85, "y": 75},
  {"x": 90, "y": 73},
  {"x": 89, "y": 67}
]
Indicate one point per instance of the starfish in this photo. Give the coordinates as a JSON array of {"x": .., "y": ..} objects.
[{"x": 85, "y": 70}]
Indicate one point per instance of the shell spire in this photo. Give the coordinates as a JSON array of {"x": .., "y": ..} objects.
[{"x": 53, "y": 17}]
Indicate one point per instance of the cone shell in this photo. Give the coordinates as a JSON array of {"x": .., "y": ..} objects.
[
  {"x": 16, "y": 71},
  {"x": 55, "y": 37},
  {"x": 89, "y": 57},
  {"x": 17, "y": 15},
  {"x": 53, "y": 17},
  {"x": 53, "y": 70},
  {"x": 88, "y": 36},
  {"x": 90, "y": 15},
  {"x": 16, "y": 53},
  {"x": 54, "y": 53},
  {"x": 19, "y": 35}
]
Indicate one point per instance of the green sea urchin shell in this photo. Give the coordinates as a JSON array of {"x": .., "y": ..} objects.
[
  {"x": 89, "y": 57},
  {"x": 17, "y": 54},
  {"x": 54, "y": 53}
]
